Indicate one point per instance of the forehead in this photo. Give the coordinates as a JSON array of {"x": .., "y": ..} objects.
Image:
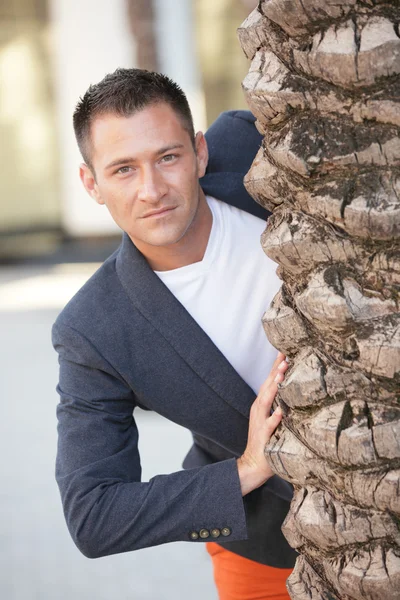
[{"x": 139, "y": 135}]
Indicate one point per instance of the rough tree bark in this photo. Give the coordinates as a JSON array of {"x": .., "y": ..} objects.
[{"x": 324, "y": 85}]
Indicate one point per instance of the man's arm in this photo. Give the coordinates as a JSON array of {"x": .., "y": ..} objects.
[{"x": 107, "y": 508}]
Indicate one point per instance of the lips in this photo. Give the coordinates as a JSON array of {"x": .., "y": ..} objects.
[{"x": 160, "y": 211}]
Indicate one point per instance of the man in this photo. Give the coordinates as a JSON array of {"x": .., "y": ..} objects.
[{"x": 171, "y": 323}]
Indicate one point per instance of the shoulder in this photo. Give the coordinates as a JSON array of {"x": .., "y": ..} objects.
[
  {"x": 94, "y": 301},
  {"x": 233, "y": 142},
  {"x": 232, "y": 130}
]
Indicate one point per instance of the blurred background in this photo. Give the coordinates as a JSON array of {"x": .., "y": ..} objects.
[{"x": 53, "y": 237}]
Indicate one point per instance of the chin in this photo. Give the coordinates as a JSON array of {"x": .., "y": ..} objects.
[
  {"x": 167, "y": 241},
  {"x": 166, "y": 238}
]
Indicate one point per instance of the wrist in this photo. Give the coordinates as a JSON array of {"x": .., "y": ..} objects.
[{"x": 250, "y": 476}]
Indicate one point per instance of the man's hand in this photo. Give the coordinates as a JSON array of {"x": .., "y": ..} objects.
[{"x": 253, "y": 467}]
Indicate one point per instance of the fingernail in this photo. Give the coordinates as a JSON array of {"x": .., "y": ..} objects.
[
  {"x": 278, "y": 411},
  {"x": 277, "y": 377},
  {"x": 280, "y": 366}
]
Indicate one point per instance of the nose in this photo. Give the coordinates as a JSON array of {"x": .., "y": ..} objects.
[{"x": 152, "y": 187}]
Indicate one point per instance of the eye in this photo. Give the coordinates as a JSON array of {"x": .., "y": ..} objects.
[
  {"x": 123, "y": 170},
  {"x": 168, "y": 158}
]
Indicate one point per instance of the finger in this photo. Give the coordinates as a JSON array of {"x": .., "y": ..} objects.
[
  {"x": 280, "y": 374},
  {"x": 282, "y": 367},
  {"x": 278, "y": 361},
  {"x": 273, "y": 421},
  {"x": 269, "y": 384},
  {"x": 267, "y": 397},
  {"x": 281, "y": 357},
  {"x": 279, "y": 365}
]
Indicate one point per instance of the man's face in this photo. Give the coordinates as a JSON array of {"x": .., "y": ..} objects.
[{"x": 147, "y": 174}]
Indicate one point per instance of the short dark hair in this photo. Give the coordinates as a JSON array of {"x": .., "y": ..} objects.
[{"x": 123, "y": 93}]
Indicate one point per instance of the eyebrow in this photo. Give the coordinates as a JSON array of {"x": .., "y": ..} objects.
[{"x": 128, "y": 159}]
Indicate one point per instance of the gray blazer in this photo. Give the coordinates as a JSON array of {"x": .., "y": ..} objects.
[{"x": 125, "y": 341}]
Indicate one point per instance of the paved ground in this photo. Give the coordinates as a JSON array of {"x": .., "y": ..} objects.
[{"x": 38, "y": 559}]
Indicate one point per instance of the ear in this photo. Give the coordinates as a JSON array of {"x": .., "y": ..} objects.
[
  {"x": 201, "y": 153},
  {"x": 89, "y": 182}
]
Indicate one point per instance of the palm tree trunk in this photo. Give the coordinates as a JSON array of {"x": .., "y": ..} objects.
[{"x": 324, "y": 85}]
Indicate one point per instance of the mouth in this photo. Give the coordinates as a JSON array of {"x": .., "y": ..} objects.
[{"x": 159, "y": 212}]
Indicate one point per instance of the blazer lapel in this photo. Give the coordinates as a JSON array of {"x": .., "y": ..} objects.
[{"x": 160, "y": 307}]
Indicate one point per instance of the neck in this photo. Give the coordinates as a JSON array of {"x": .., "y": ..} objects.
[{"x": 190, "y": 248}]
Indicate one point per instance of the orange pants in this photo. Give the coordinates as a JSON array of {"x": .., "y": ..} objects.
[{"x": 239, "y": 578}]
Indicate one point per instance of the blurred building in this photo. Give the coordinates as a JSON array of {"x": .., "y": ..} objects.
[{"x": 50, "y": 52}]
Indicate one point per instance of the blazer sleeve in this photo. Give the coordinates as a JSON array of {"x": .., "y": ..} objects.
[{"x": 107, "y": 508}]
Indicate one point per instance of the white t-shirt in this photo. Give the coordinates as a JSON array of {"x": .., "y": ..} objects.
[{"x": 230, "y": 289}]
